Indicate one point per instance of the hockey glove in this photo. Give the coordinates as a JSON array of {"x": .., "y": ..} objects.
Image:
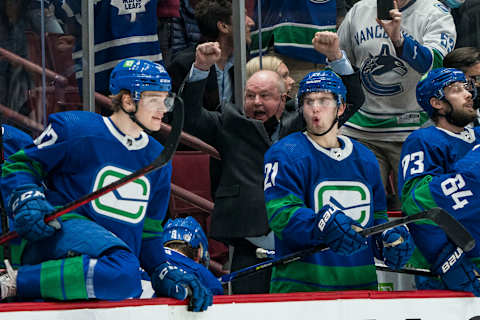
[
  {"x": 456, "y": 270},
  {"x": 336, "y": 231},
  {"x": 397, "y": 246},
  {"x": 171, "y": 281},
  {"x": 28, "y": 208}
]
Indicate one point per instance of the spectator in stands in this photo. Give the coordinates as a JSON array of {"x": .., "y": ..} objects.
[
  {"x": 178, "y": 32},
  {"x": 52, "y": 24},
  {"x": 242, "y": 137},
  {"x": 287, "y": 28},
  {"x": 467, "y": 59},
  {"x": 273, "y": 63},
  {"x": 214, "y": 20},
  {"x": 122, "y": 30},
  {"x": 16, "y": 17},
  {"x": 467, "y": 22},
  {"x": 393, "y": 55},
  {"x": 167, "y": 10}
]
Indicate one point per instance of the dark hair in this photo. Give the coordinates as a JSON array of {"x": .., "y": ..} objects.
[
  {"x": 208, "y": 13},
  {"x": 462, "y": 58}
]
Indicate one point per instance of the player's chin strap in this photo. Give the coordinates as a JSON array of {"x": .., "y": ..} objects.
[{"x": 132, "y": 116}]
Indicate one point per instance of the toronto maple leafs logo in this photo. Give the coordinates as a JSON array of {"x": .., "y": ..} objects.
[
  {"x": 131, "y": 7},
  {"x": 380, "y": 73}
]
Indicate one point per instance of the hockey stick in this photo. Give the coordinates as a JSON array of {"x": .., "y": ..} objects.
[
  {"x": 170, "y": 147},
  {"x": 454, "y": 230},
  {"x": 407, "y": 270},
  {"x": 3, "y": 212}
]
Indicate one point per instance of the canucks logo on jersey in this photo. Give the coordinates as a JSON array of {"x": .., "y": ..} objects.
[
  {"x": 127, "y": 203},
  {"x": 352, "y": 197},
  {"x": 376, "y": 73}
]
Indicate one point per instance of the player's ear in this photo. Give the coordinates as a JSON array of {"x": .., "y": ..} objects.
[
  {"x": 127, "y": 103},
  {"x": 436, "y": 103},
  {"x": 341, "y": 109}
]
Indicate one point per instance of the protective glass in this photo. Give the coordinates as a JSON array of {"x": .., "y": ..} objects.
[
  {"x": 457, "y": 87},
  {"x": 321, "y": 102},
  {"x": 158, "y": 101}
]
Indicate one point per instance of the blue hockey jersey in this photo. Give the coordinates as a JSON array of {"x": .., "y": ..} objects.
[
  {"x": 13, "y": 140},
  {"x": 440, "y": 168},
  {"x": 80, "y": 152},
  {"x": 300, "y": 178},
  {"x": 123, "y": 29}
]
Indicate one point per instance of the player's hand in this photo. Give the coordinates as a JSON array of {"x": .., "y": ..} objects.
[
  {"x": 397, "y": 246},
  {"x": 28, "y": 207},
  {"x": 328, "y": 44},
  {"x": 338, "y": 231},
  {"x": 171, "y": 281},
  {"x": 456, "y": 270},
  {"x": 392, "y": 27},
  {"x": 206, "y": 55}
]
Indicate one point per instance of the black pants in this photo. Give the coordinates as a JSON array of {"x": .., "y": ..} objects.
[{"x": 244, "y": 256}]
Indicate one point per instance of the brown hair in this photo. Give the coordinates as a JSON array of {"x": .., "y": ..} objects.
[{"x": 117, "y": 100}]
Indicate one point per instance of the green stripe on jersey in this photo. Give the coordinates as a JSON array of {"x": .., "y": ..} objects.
[
  {"x": 70, "y": 276},
  {"x": 295, "y": 35},
  {"x": 380, "y": 215},
  {"x": 423, "y": 197},
  {"x": 282, "y": 210},
  {"x": 362, "y": 120},
  {"x": 151, "y": 228},
  {"x": 437, "y": 59},
  {"x": 301, "y": 276},
  {"x": 20, "y": 162}
]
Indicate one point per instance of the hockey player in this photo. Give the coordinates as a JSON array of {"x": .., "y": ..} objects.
[
  {"x": 321, "y": 188},
  {"x": 96, "y": 251},
  {"x": 186, "y": 246},
  {"x": 392, "y": 55},
  {"x": 13, "y": 140},
  {"x": 440, "y": 167}
]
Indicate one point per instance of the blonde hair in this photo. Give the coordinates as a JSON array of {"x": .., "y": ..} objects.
[{"x": 269, "y": 62}]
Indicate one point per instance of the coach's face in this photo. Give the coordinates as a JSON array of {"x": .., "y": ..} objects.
[{"x": 263, "y": 97}]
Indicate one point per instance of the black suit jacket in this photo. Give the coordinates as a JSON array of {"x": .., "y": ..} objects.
[{"x": 239, "y": 209}]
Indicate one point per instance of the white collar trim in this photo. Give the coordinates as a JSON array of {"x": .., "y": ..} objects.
[
  {"x": 128, "y": 142},
  {"x": 335, "y": 153},
  {"x": 467, "y": 135}
]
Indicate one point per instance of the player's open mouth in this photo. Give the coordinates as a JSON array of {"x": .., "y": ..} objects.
[{"x": 259, "y": 114}]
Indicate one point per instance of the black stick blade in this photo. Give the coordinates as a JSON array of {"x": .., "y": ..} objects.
[{"x": 453, "y": 228}]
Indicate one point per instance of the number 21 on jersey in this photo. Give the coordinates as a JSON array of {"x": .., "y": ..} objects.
[{"x": 270, "y": 172}]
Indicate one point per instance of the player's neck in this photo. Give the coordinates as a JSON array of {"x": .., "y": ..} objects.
[
  {"x": 444, "y": 124},
  {"x": 125, "y": 124},
  {"x": 226, "y": 53},
  {"x": 328, "y": 141}
]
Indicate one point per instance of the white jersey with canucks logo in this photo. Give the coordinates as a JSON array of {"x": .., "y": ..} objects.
[
  {"x": 80, "y": 152},
  {"x": 300, "y": 178},
  {"x": 390, "y": 111}
]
